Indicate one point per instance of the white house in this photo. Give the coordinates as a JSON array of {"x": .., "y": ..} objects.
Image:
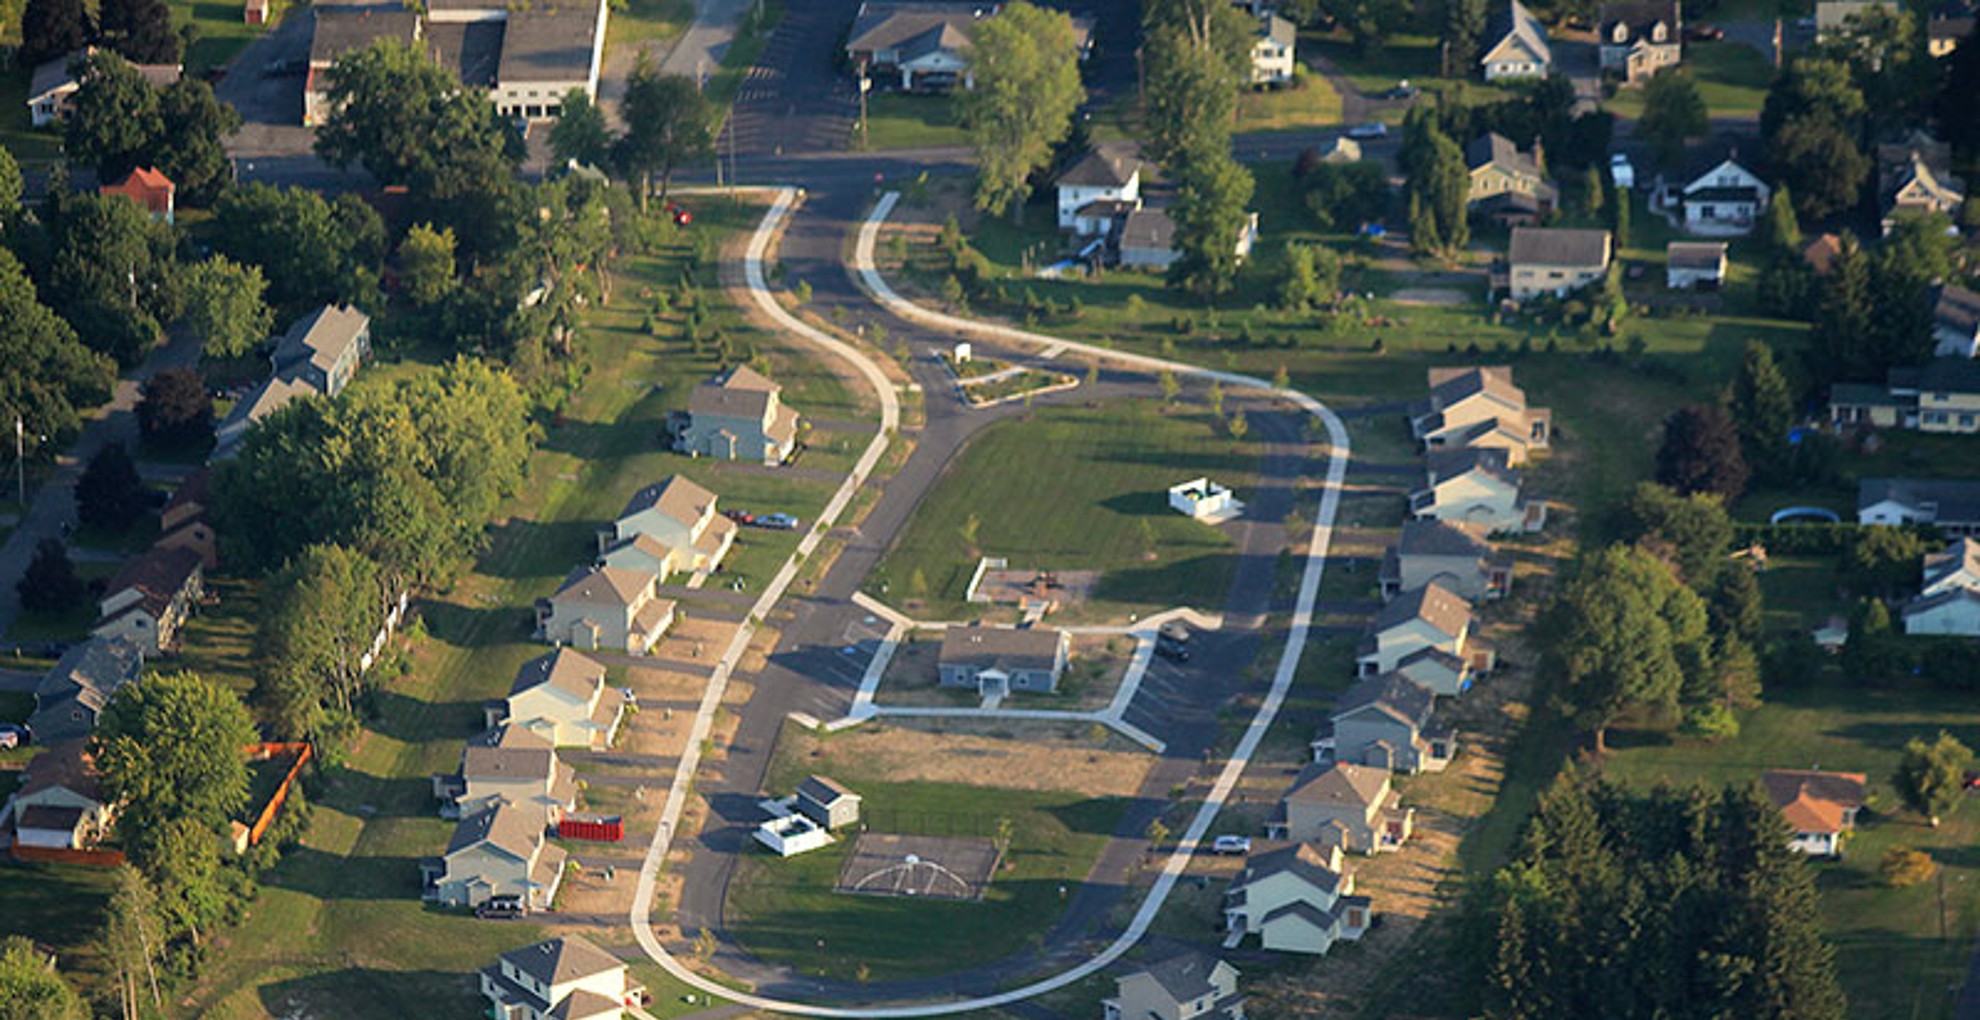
[
  {"x": 1272, "y": 51},
  {"x": 1818, "y": 806},
  {"x": 1476, "y": 487},
  {"x": 1298, "y": 899},
  {"x": 497, "y": 851},
  {"x": 1952, "y": 506},
  {"x": 1948, "y": 599},
  {"x": 1185, "y": 985},
  {"x": 1100, "y": 189},
  {"x": 1204, "y": 500},
  {"x": 60, "y": 804},
  {"x": 1516, "y": 45},
  {"x": 1431, "y": 618},
  {"x": 562, "y": 697},
  {"x": 606, "y": 608},
  {"x": 566, "y": 978},
  {"x": 1725, "y": 200},
  {"x": 1694, "y": 265}
]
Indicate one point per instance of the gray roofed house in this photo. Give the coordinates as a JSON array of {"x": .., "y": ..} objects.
[
  {"x": 1183, "y": 985},
  {"x": 1297, "y": 899},
  {"x": 1641, "y": 37},
  {"x": 739, "y": 415},
  {"x": 1430, "y": 619},
  {"x": 471, "y": 49},
  {"x": 606, "y": 608},
  {"x": 1454, "y": 554},
  {"x": 1555, "y": 260},
  {"x": 562, "y": 698},
  {"x": 1918, "y": 188},
  {"x": 563, "y": 960},
  {"x": 1001, "y": 660},
  {"x": 1945, "y": 34},
  {"x": 51, "y": 84},
  {"x": 1479, "y": 407},
  {"x": 1498, "y": 167},
  {"x": 324, "y": 348},
  {"x": 550, "y": 43},
  {"x": 1433, "y": 604},
  {"x": 1340, "y": 804},
  {"x": 1273, "y": 48},
  {"x": 75, "y": 689},
  {"x": 1955, "y": 322},
  {"x": 1952, "y": 506},
  {"x": 927, "y": 42},
  {"x": 1148, "y": 239},
  {"x": 566, "y": 978},
  {"x": 340, "y": 30},
  {"x": 1388, "y": 722},
  {"x": 828, "y": 803},
  {"x": 1694, "y": 264},
  {"x": 270, "y": 396},
  {"x": 1099, "y": 190},
  {"x": 1103, "y": 166},
  {"x": 497, "y": 851},
  {"x": 1476, "y": 485},
  {"x": 1515, "y": 44}
]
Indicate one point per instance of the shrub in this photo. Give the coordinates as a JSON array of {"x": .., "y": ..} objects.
[
  {"x": 1903, "y": 867},
  {"x": 1713, "y": 722}
]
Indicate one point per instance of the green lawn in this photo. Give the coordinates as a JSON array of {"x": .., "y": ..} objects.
[
  {"x": 647, "y": 23},
  {"x": 24, "y": 143},
  {"x": 1407, "y": 57},
  {"x": 1892, "y": 961},
  {"x": 1732, "y": 80},
  {"x": 897, "y": 120},
  {"x": 1076, "y": 488},
  {"x": 1312, "y": 102},
  {"x": 220, "y": 33},
  {"x": 338, "y": 929},
  {"x": 785, "y": 910},
  {"x": 56, "y": 905}
]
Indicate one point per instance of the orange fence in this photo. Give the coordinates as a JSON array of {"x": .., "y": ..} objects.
[
  {"x": 55, "y": 855},
  {"x": 260, "y": 751}
]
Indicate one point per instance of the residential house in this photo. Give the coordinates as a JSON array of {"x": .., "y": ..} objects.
[
  {"x": 565, "y": 978},
  {"x": 1943, "y": 395},
  {"x": 1554, "y": 260},
  {"x": 59, "y": 804},
  {"x": 562, "y": 698},
  {"x": 1148, "y": 239},
  {"x": 152, "y": 191},
  {"x": 1955, "y": 322},
  {"x": 54, "y": 81},
  {"x": 1478, "y": 487},
  {"x": 1835, "y": 17},
  {"x": 1919, "y": 188},
  {"x": 1498, "y": 167},
  {"x": 183, "y": 523},
  {"x": 1944, "y": 34},
  {"x": 1726, "y": 199},
  {"x": 1641, "y": 37},
  {"x": 1387, "y": 722},
  {"x": 1819, "y": 806},
  {"x": 1298, "y": 899},
  {"x": 826, "y": 802},
  {"x": 151, "y": 598},
  {"x": 1515, "y": 45},
  {"x": 1185, "y": 985},
  {"x": 1948, "y": 600},
  {"x": 1272, "y": 51},
  {"x": 497, "y": 851},
  {"x": 1100, "y": 189},
  {"x": 1337, "y": 804},
  {"x": 1480, "y": 408},
  {"x": 1430, "y": 618},
  {"x": 324, "y": 348},
  {"x": 337, "y": 31},
  {"x": 605, "y": 609},
  {"x": 508, "y": 762},
  {"x": 270, "y": 396},
  {"x": 740, "y": 415},
  {"x": 1341, "y": 150},
  {"x": 1002, "y": 660},
  {"x": 1953, "y": 507},
  {"x": 73, "y": 692},
  {"x": 679, "y": 522},
  {"x": 1694, "y": 265},
  {"x": 1452, "y": 554},
  {"x": 924, "y": 45}
]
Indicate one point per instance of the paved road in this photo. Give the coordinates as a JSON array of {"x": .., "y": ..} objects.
[{"x": 54, "y": 503}]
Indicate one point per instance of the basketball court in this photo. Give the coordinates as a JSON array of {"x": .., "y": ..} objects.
[{"x": 931, "y": 867}]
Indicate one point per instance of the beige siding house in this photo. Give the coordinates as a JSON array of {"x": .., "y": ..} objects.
[
  {"x": 151, "y": 598},
  {"x": 1297, "y": 899},
  {"x": 562, "y": 698},
  {"x": 1452, "y": 554},
  {"x": 1555, "y": 260},
  {"x": 1185, "y": 985},
  {"x": 1387, "y": 722},
  {"x": 566, "y": 978},
  {"x": 740, "y": 415},
  {"x": 1003, "y": 660},
  {"x": 1475, "y": 487},
  {"x": 1480, "y": 408},
  {"x": 1341, "y": 805},
  {"x": 1516, "y": 45},
  {"x": 497, "y": 851},
  {"x": 1641, "y": 37},
  {"x": 324, "y": 348},
  {"x": 509, "y": 763},
  {"x": 678, "y": 518},
  {"x": 1498, "y": 167},
  {"x": 1431, "y": 618},
  {"x": 607, "y": 609}
]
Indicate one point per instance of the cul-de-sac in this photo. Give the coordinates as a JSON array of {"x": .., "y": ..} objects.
[{"x": 994, "y": 509}]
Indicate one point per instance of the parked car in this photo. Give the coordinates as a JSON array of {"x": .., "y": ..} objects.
[
  {"x": 1368, "y": 131},
  {"x": 680, "y": 214},
  {"x": 740, "y": 516},
  {"x": 12, "y": 736},
  {"x": 777, "y": 522},
  {"x": 1231, "y": 846},
  {"x": 1403, "y": 90},
  {"x": 1171, "y": 651},
  {"x": 1703, "y": 33},
  {"x": 502, "y": 908}
]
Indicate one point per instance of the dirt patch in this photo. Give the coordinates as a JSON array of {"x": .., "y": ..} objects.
[
  {"x": 695, "y": 639},
  {"x": 1018, "y": 756},
  {"x": 1434, "y": 296}
]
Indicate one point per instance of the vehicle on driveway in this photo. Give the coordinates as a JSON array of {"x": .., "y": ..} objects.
[
  {"x": 740, "y": 516},
  {"x": 1367, "y": 131},
  {"x": 1172, "y": 642},
  {"x": 1231, "y": 846},
  {"x": 1703, "y": 33},
  {"x": 12, "y": 736},
  {"x": 777, "y": 522},
  {"x": 502, "y": 908}
]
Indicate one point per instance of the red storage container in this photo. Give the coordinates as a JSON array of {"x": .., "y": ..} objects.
[{"x": 597, "y": 828}]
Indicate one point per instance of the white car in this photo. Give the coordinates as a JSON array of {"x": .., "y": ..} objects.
[
  {"x": 1367, "y": 131},
  {"x": 1231, "y": 845}
]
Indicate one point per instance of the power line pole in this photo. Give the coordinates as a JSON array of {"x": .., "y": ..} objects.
[{"x": 20, "y": 461}]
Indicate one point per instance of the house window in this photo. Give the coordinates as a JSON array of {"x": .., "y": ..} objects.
[
  {"x": 1966, "y": 421},
  {"x": 1935, "y": 418}
]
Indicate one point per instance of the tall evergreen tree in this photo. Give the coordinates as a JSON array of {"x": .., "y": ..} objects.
[
  {"x": 53, "y": 28},
  {"x": 141, "y": 30},
  {"x": 1763, "y": 408},
  {"x": 1840, "y": 347}
]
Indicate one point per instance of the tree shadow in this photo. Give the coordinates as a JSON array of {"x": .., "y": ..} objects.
[
  {"x": 363, "y": 991},
  {"x": 478, "y": 627},
  {"x": 542, "y": 548}
]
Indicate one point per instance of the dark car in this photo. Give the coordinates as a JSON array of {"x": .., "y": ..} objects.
[
  {"x": 1171, "y": 651},
  {"x": 740, "y": 516},
  {"x": 1703, "y": 33},
  {"x": 502, "y": 908}
]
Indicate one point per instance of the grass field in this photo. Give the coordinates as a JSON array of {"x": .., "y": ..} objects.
[
  {"x": 339, "y": 928},
  {"x": 1892, "y": 959},
  {"x": 27, "y": 145},
  {"x": 1732, "y": 80},
  {"x": 647, "y": 23},
  {"x": 220, "y": 33},
  {"x": 897, "y": 120},
  {"x": 785, "y": 910},
  {"x": 1075, "y": 488},
  {"x": 1311, "y": 103}
]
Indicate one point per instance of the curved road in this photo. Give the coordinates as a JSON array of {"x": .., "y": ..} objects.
[{"x": 740, "y": 776}]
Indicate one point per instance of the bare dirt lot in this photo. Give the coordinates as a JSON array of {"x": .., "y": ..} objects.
[{"x": 1019, "y": 756}]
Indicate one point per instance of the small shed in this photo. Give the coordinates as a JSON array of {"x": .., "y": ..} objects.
[
  {"x": 1204, "y": 500},
  {"x": 790, "y": 835},
  {"x": 1622, "y": 172},
  {"x": 827, "y": 803},
  {"x": 255, "y": 12},
  {"x": 1695, "y": 265}
]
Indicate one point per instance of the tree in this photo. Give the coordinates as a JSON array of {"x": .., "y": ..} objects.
[
  {"x": 1464, "y": 32},
  {"x": 1783, "y": 227},
  {"x": 30, "y": 987},
  {"x": 1170, "y": 387},
  {"x": 141, "y": 30},
  {"x": 1026, "y": 64},
  {"x": 1619, "y": 218},
  {"x": 1347, "y": 194},
  {"x": 326, "y": 606},
  {"x": 580, "y": 134},
  {"x": 224, "y": 306},
  {"x": 1611, "y": 643},
  {"x": 1932, "y": 777},
  {"x": 176, "y": 410},
  {"x": 1957, "y": 114},
  {"x": 1701, "y": 453},
  {"x": 1872, "y": 653},
  {"x": 1368, "y": 22},
  {"x": 110, "y": 495},
  {"x": 190, "y": 148},
  {"x": 668, "y": 123},
  {"x": 52, "y": 28},
  {"x": 407, "y": 120},
  {"x": 1763, "y": 409},
  {"x": 1673, "y": 114},
  {"x": 426, "y": 263},
  {"x": 114, "y": 117},
  {"x": 47, "y": 376},
  {"x": 133, "y": 941},
  {"x": 312, "y": 251},
  {"x": 1903, "y": 867},
  {"x": 1809, "y": 124},
  {"x": 1302, "y": 286},
  {"x": 1884, "y": 561},
  {"x": 11, "y": 188},
  {"x": 1438, "y": 187},
  {"x": 1210, "y": 217},
  {"x": 1735, "y": 604},
  {"x": 1840, "y": 344},
  {"x": 50, "y": 584},
  {"x": 170, "y": 750},
  {"x": 1692, "y": 531},
  {"x": 111, "y": 274}
]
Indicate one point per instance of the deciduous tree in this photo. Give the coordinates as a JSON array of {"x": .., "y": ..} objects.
[
  {"x": 1700, "y": 453},
  {"x": 407, "y": 120},
  {"x": 1673, "y": 115},
  {"x": 580, "y": 134},
  {"x": 53, "y": 28},
  {"x": 191, "y": 147},
  {"x": 224, "y": 306},
  {"x": 318, "y": 623},
  {"x": 1026, "y": 64},
  {"x": 1611, "y": 646},
  {"x": 114, "y": 117},
  {"x": 110, "y": 494},
  {"x": 31, "y": 988},
  {"x": 141, "y": 30},
  {"x": 176, "y": 411},
  {"x": 426, "y": 263},
  {"x": 171, "y": 750},
  {"x": 11, "y": 188},
  {"x": 310, "y": 250},
  {"x": 1932, "y": 777},
  {"x": 668, "y": 124},
  {"x": 47, "y": 376},
  {"x": 1210, "y": 216}
]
